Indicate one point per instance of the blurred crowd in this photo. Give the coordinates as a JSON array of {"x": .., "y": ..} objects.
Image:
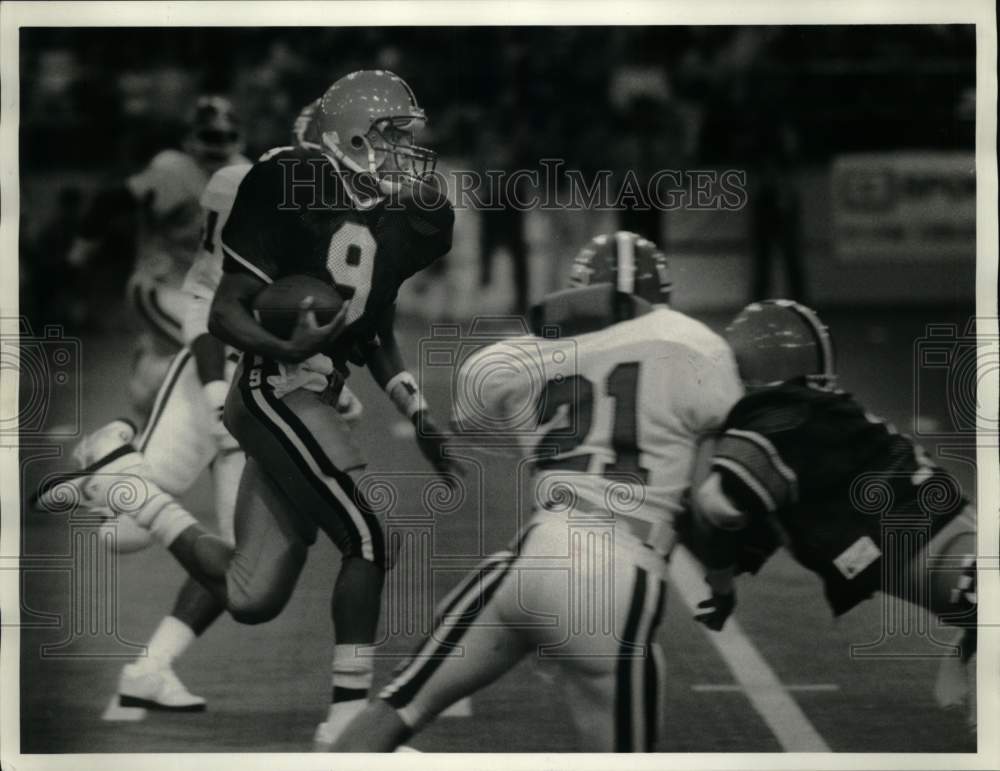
[{"x": 99, "y": 103}]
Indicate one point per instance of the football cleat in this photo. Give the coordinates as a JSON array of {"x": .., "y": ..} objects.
[
  {"x": 779, "y": 340},
  {"x": 955, "y": 686},
  {"x": 141, "y": 685},
  {"x": 629, "y": 262},
  {"x": 97, "y": 452},
  {"x": 330, "y": 729}
]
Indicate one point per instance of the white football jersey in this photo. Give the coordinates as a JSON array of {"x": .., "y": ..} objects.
[
  {"x": 612, "y": 418},
  {"x": 216, "y": 202},
  {"x": 205, "y": 274},
  {"x": 170, "y": 227}
]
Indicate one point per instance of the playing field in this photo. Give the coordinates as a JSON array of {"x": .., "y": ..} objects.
[{"x": 782, "y": 678}]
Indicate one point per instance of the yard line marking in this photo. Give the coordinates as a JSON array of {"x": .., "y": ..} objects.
[
  {"x": 402, "y": 429},
  {"x": 783, "y": 716},
  {"x": 727, "y": 687},
  {"x": 461, "y": 708}
]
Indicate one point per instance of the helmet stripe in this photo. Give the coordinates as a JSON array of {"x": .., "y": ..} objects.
[{"x": 625, "y": 243}]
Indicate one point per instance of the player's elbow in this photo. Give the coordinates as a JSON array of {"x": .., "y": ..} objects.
[
  {"x": 714, "y": 507},
  {"x": 221, "y": 311},
  {"x": 217, "y": 321}
]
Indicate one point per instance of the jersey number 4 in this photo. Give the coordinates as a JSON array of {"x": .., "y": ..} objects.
[
  {"x": 350, "y": 259},
  {"x": 576, "y": 393}
]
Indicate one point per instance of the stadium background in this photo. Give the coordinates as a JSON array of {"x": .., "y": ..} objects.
[{"x": 816, "y": 109}]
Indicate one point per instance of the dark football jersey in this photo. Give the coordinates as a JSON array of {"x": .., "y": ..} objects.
[
  {"x": 839, "y": 486},
  {"x": 292, "y": 215}
]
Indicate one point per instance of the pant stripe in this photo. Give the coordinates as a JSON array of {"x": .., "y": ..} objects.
[
  {"x": 641, "y": 684},
  {"x": 157, "y": 318},
  {"x": 451, "y": 599},
  {"x": 453, "y": 625},
  {"x": 358, "y": 528},
  {"x": 372, "y": 528},
  {"x": 652, "y": 671},
  {"x": 343, "y": 487},
  {"x": 321, "y": 490},
  {"x": 163, "y": 396},
  {"x": 627, "y": 656}
]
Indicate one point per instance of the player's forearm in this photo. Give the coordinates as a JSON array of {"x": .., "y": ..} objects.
[
  {"x": 209, "y": 358},
  {"x": 389, "y": 371},
  {"x": 231, "y": 321},
  {"x": 718, "y": 525},
  {"x": 386, "y": 361}
]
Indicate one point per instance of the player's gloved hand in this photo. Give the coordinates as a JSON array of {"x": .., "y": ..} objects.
[
  {"x": 433, "y": 443},
  {"x": 309, "y": 337},
  {"x": 349, "y": 406},
  {"x": 715, "y": 610},
  {"x": 215, "y": 397}
]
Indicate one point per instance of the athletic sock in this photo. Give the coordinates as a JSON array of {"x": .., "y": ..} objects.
[
  {"x": 171, "y": 638},
  {"x": 352, "y": 677},
  {"x": 163, "y": 516},
  {"x": 125, "y": 487}
]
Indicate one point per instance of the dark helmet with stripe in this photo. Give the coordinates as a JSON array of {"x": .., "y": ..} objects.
[
  {"x": 778, "y": 340},
  {"x": 628, "y": 261}
]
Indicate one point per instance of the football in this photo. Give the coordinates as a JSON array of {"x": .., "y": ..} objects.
[{"x": 277, "y": 305}]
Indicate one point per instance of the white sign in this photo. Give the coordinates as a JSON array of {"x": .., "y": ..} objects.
[{"x": 914, "y": 206}]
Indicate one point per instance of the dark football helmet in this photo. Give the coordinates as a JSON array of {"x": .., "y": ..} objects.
[{"x": 778, "y": 340}]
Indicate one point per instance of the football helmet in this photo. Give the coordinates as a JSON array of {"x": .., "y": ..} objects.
[
  {"x": 778, "y": 340},
  {"x": 632, "y": 264},
  {"x": 214, "y": 132},
  {"x": 367, "y": 117}
]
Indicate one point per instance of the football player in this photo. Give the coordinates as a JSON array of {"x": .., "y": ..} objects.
[
  {"x": 163, "y": 203},
  {"x": 354, "y": 208},
  {"x": 184, "y": 436},
  {"x": 801, "y": 463},
  {"x": 626, "y": 388}
]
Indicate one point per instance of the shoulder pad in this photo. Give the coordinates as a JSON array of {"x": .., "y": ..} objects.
[{"x": 770, "y": 411}]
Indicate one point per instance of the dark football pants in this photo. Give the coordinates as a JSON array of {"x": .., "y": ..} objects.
[{"x": 295, "y": 483}]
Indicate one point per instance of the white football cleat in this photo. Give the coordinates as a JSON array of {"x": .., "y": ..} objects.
[
  {"x": 99, "y": 454},
  {"x": 330, "y": 730},
  {"x": 155, "y": 688},
  {"x": 95, "y": 446}
]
